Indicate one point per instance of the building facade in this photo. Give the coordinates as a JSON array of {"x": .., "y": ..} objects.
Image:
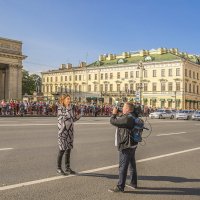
[
  {"x": 11, "y": 69},
  {"x": 164, "y": 78}
]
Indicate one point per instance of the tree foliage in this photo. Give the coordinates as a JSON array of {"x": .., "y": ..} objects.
[{"x": 29, "y": 82}]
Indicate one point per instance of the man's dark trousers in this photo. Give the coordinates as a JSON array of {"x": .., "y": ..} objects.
[{"x": 127, "y": 159}]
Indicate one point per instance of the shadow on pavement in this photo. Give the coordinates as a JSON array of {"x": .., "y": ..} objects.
[
  {"x": 166, "y": 191},
  {"x": 173, "y": 179},
  {"x": 109, "y": 176},
  {"x": 156, "y": 190}
]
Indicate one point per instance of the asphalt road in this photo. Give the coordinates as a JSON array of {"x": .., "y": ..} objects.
[{"x": 168, "y": 163}]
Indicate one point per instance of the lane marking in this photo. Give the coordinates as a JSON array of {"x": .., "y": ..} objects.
[
  {"x": 2, "y": 188},
  {"x": 5, "y": 149},
  {"x": 13, "y": 125},
  {"x": 164, "y": 134}
]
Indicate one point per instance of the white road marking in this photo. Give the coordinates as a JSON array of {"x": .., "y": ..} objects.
[
  {"x": 5, "y": 149},
  {"x": 13, "y": 125},
  {"x": 163, "y": 121},
  {"x": 164, "y": 134},
  {"x": 91, "y": 171}
]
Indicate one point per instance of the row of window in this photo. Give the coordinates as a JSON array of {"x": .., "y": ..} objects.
[
  {"x": 128, "y": 87},
  {"x": 126, "y": 75},
  {"x": 190, "y": 74}
]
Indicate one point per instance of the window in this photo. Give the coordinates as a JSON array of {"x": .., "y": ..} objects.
[
  {"x": 145, "y": 74},
  {"x": 56, "y": 79},
  {"x": 126, "y": 87},
  {"x": 80, "y": 88},
  {"x": 185, "y": 87},
  {"x": 137, "y": 74},
  {"x": 131, "y": 88},
  {"x": 43, "y": 79},
  {"x": 177, "y": 71},
  {"x": 65, "y": 78},
  {"x": 89, "y": 88},
  {"x": 118, "y": 87},
  {"x": 162, "y": 72},
  {"x": 76, "y": 87},
  {"x": 79, "y": 77},
  {"x": 178, "y": 86},
  {"x": 145, "y": 87},
  {"x": 186, "y": 72},
  {"x": 190, "y": 88},
  {"x": 193, "y": 88},
  {"x": 106, "y": 76},
  {"x": 170, "y": 86},
  {"x": 76, "y": 78},
  {"x": 193, "y": 75},
  {"x": 95, "y": 88},
  {"x": 106, "y": 87},
  {"x": 51, "y": 88},
  {"x": 61, "y": 78},
  {"x": 154, "y": 87},
  {"x": 126, "y": 74},
  {"x": 169, "y": 72},
  {"x": 137, "y": 86},
  {"x": 70, "y": 88},
  {"x": 65, "y": 88},
  {"x": 131, "y": 74},
  {"x": 163, "y": 86},
  {"x": 70, "y": 78},
  {"x": 47, "y": 89},
  {"x": 154, "y": 73},
  {"x": 56, "y": 88},
  {"x": 197, "y": 89},
  {"x": 111, "y": 75},
  {"x": 95, "y": 77},
  {"x": 89, "y": 77},
  {"x": 118, "y": 75},
  {"x": 190, "y": 73},
  {"x": 51, "y": 79},
  {"x": 101, "y": 88},
  {"x": 101, "y": 76},
  {"x": 197, "y": 76},
  {"x": 43, "y": 88},
  {"x": 47, "y": 79},
  {"x": 111, "y": 87}
]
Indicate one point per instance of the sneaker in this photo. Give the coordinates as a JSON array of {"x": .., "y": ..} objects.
[
  {"x": 116, "y": 189},
  {"x": 69, "y": 171},
  {"x": 60, "y": 172},
  {"x": 132, "y": 186}
]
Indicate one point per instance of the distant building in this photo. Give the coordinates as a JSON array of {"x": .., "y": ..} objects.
[
  {"x": 157, "y": 78},
  {"x": 10, "y": 69}
]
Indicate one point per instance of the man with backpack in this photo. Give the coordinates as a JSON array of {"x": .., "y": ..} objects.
[{"x": 126, "y": 144}]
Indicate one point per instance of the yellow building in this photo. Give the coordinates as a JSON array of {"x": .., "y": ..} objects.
[{"x": 157, "y": 78}]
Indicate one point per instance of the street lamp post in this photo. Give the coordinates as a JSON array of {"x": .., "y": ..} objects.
[{"x": 141, "y": 67}]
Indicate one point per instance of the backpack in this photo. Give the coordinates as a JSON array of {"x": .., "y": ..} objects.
[{"x": 136, "y": 133}]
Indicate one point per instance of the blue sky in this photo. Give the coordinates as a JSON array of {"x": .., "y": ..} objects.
[{"x": 69, "y": 31}]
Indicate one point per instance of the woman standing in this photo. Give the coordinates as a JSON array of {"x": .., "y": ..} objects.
[{"x": 66, "y": 119}]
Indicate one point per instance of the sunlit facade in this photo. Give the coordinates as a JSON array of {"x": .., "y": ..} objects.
[{"x": 163, "y": 78}]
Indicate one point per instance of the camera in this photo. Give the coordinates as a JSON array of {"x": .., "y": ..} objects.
[{"x": 120, "y": 107}]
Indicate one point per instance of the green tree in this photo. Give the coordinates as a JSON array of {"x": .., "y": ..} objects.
[{"x": 29, "y": 82}]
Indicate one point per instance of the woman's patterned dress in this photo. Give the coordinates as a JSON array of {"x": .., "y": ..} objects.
[{"x": 66, "y": 119}]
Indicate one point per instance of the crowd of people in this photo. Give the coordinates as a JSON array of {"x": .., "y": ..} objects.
[{"x": 49, "y": 108}]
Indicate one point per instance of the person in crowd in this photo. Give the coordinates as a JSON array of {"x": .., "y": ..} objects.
[
  {"x": 66, "y": 118},
  {"x": 126, "y": 146}
]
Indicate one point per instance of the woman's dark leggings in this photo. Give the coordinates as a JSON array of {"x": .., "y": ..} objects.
[{"x": 67, "y": 158}]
